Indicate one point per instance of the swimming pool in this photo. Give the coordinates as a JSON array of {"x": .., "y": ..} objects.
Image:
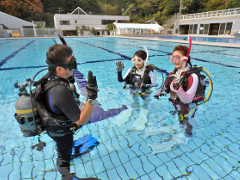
[
  {"x": 124, "y": 152},
  {"x": 206, "y": 39}
]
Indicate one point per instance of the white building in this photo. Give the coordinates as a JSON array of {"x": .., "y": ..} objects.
[
  {"x": 12, "y": 25},
  {"x": 71, "y": 23},
  {"x": 136, "y": 29}
]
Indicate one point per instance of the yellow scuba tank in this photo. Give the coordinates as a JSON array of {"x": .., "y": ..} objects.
[{"x": 26, "y": 113}]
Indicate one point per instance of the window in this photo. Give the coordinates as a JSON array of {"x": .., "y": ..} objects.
[
  {"x": 201, "y": 28},
  {"x": 105, "y": 22},
  {"x": 64, "y": 22},
  {"x": 222, "y": 28},
  {"x": 190, "y": 29},
  {"x": 121, "y": 21},
  {"x": 228, "y": 28},
  {"x": 195, "y": 29},
  {"x": 75, "y": 21},
  {"x": 206, "y": 28}
]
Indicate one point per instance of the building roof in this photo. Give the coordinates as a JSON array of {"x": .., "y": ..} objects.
[
  {"x": 12, "y": 22},
  {"x": 151, "y": 21},
  {"x": 155, "y": 27}
]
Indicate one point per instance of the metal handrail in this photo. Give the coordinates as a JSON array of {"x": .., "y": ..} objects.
[{"x": 219, "y": 13}]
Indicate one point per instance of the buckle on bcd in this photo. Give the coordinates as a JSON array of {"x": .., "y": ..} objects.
[{"x": 180, "y": 117}]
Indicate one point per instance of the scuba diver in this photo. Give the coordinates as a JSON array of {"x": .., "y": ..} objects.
[
  {"x": 55, "y": 104},
  {"x": 185, "y": 85},
  {"x": 62, "y": 104},
  {"x": 139, "y": 79}
]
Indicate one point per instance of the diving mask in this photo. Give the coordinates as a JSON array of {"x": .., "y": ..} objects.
[
  {"x": 137, "y": 60},
  {"x": 71, "y": 65},
  {"x": 176, "y": 58}
]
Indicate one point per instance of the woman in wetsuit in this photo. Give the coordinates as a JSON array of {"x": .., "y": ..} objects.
[
  {"x": 139, "y": 79},
  {"x": 140, "y": 76},
  {"x": 182, "y": 93}
]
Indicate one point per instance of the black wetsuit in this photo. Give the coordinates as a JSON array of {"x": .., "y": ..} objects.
[{"x": 60, "y": 101}]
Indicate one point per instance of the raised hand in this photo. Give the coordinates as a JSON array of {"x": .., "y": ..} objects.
[
  {"x": 120, "y": 66},
  {"x": 92, "y": 87}
]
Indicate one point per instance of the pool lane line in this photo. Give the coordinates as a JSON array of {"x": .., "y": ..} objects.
[
  {"x": 167, "y": 53},
  {"x": 123, "y": 56},
  {"x": 99, "y": 47},
  {"x": 202, "y": 43},
  {"x": 193, "y": 51},
  {"x": 87, "y": 62},
  {"x": 26, "y": 67},
  {"x": 216, "y": 63},
  {"x": 139, "y": 47},
  {"x": 54, "y": 40},
  {"x": 7, "y": 42},
  {"x": 44, "y": 66},
  {"x": 4, "y": 61}
]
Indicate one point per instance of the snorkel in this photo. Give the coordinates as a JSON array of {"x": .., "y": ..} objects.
[
  {"x": 146, "y": 60},
  {"x": 188, "y": 52},
  {"x": 189, "y": 46}
]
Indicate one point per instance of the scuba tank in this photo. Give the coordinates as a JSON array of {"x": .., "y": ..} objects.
[{"x": 26, "y": 112}]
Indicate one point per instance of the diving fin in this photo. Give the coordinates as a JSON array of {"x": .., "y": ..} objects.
[
  {"x": 74, "y": 177},
  {"x": 83, "y": 145}
]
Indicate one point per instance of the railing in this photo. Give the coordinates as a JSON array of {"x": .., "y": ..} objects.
[
  {"x": 169, "y": 23},
  {"x": 39, "y": 32},
  {"x": 210, "y": 14}
]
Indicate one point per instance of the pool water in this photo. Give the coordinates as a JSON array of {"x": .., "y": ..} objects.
[
  {"x": 208, "y": 39},
  {"x": 126, "y": 128}
]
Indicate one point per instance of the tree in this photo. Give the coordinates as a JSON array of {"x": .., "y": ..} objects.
[
  {"x": 121, "y": 5},
  {"x": 108, "y": 9},
  {"x": 214, "y": 5},
  {"x": 111, "y": 27},
  {"x": 23, "y": 8},
  {"x": 54, "y": 6},
  {"x": 89, "y": 6},
  {"x": 194, "y": 6},
  {"x": 173, "y": 7},
  {"x": 233, "y": 4}
]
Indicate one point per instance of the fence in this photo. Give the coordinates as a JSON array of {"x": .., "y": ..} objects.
[
  {"x": 39, "y": 32},
  {"x": 210, "y": 14},
  {"x": 29, "y": 32}
]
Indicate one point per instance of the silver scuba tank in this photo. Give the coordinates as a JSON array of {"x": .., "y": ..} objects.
[{"x": 24, "y": 115}]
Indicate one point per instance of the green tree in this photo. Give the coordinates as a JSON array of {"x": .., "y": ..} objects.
[
  {"x": 54, "y": 6},
  {"x": 89, "y": 6},
  {"x": 173, "y": 7},
  {"x": 108, "y": 9},
  {"x": 111, "y": 27},
  {"x": 193, "y": 6},
  {"x": 233, "y": 4},
  {"x": 214, "y": 5},
  {"x": 122, "y": 5}
]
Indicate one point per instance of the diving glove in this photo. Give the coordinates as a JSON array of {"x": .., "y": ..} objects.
[
  {"x": 92, "y": 87},
  {"x": 120, "y": 66}
]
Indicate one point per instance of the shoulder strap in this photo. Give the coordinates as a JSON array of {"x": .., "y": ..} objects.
[
  {"x": 43, "y": 85},
  {"x": 52, "y": 83},
  {"x": 195, "y": 69}
]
